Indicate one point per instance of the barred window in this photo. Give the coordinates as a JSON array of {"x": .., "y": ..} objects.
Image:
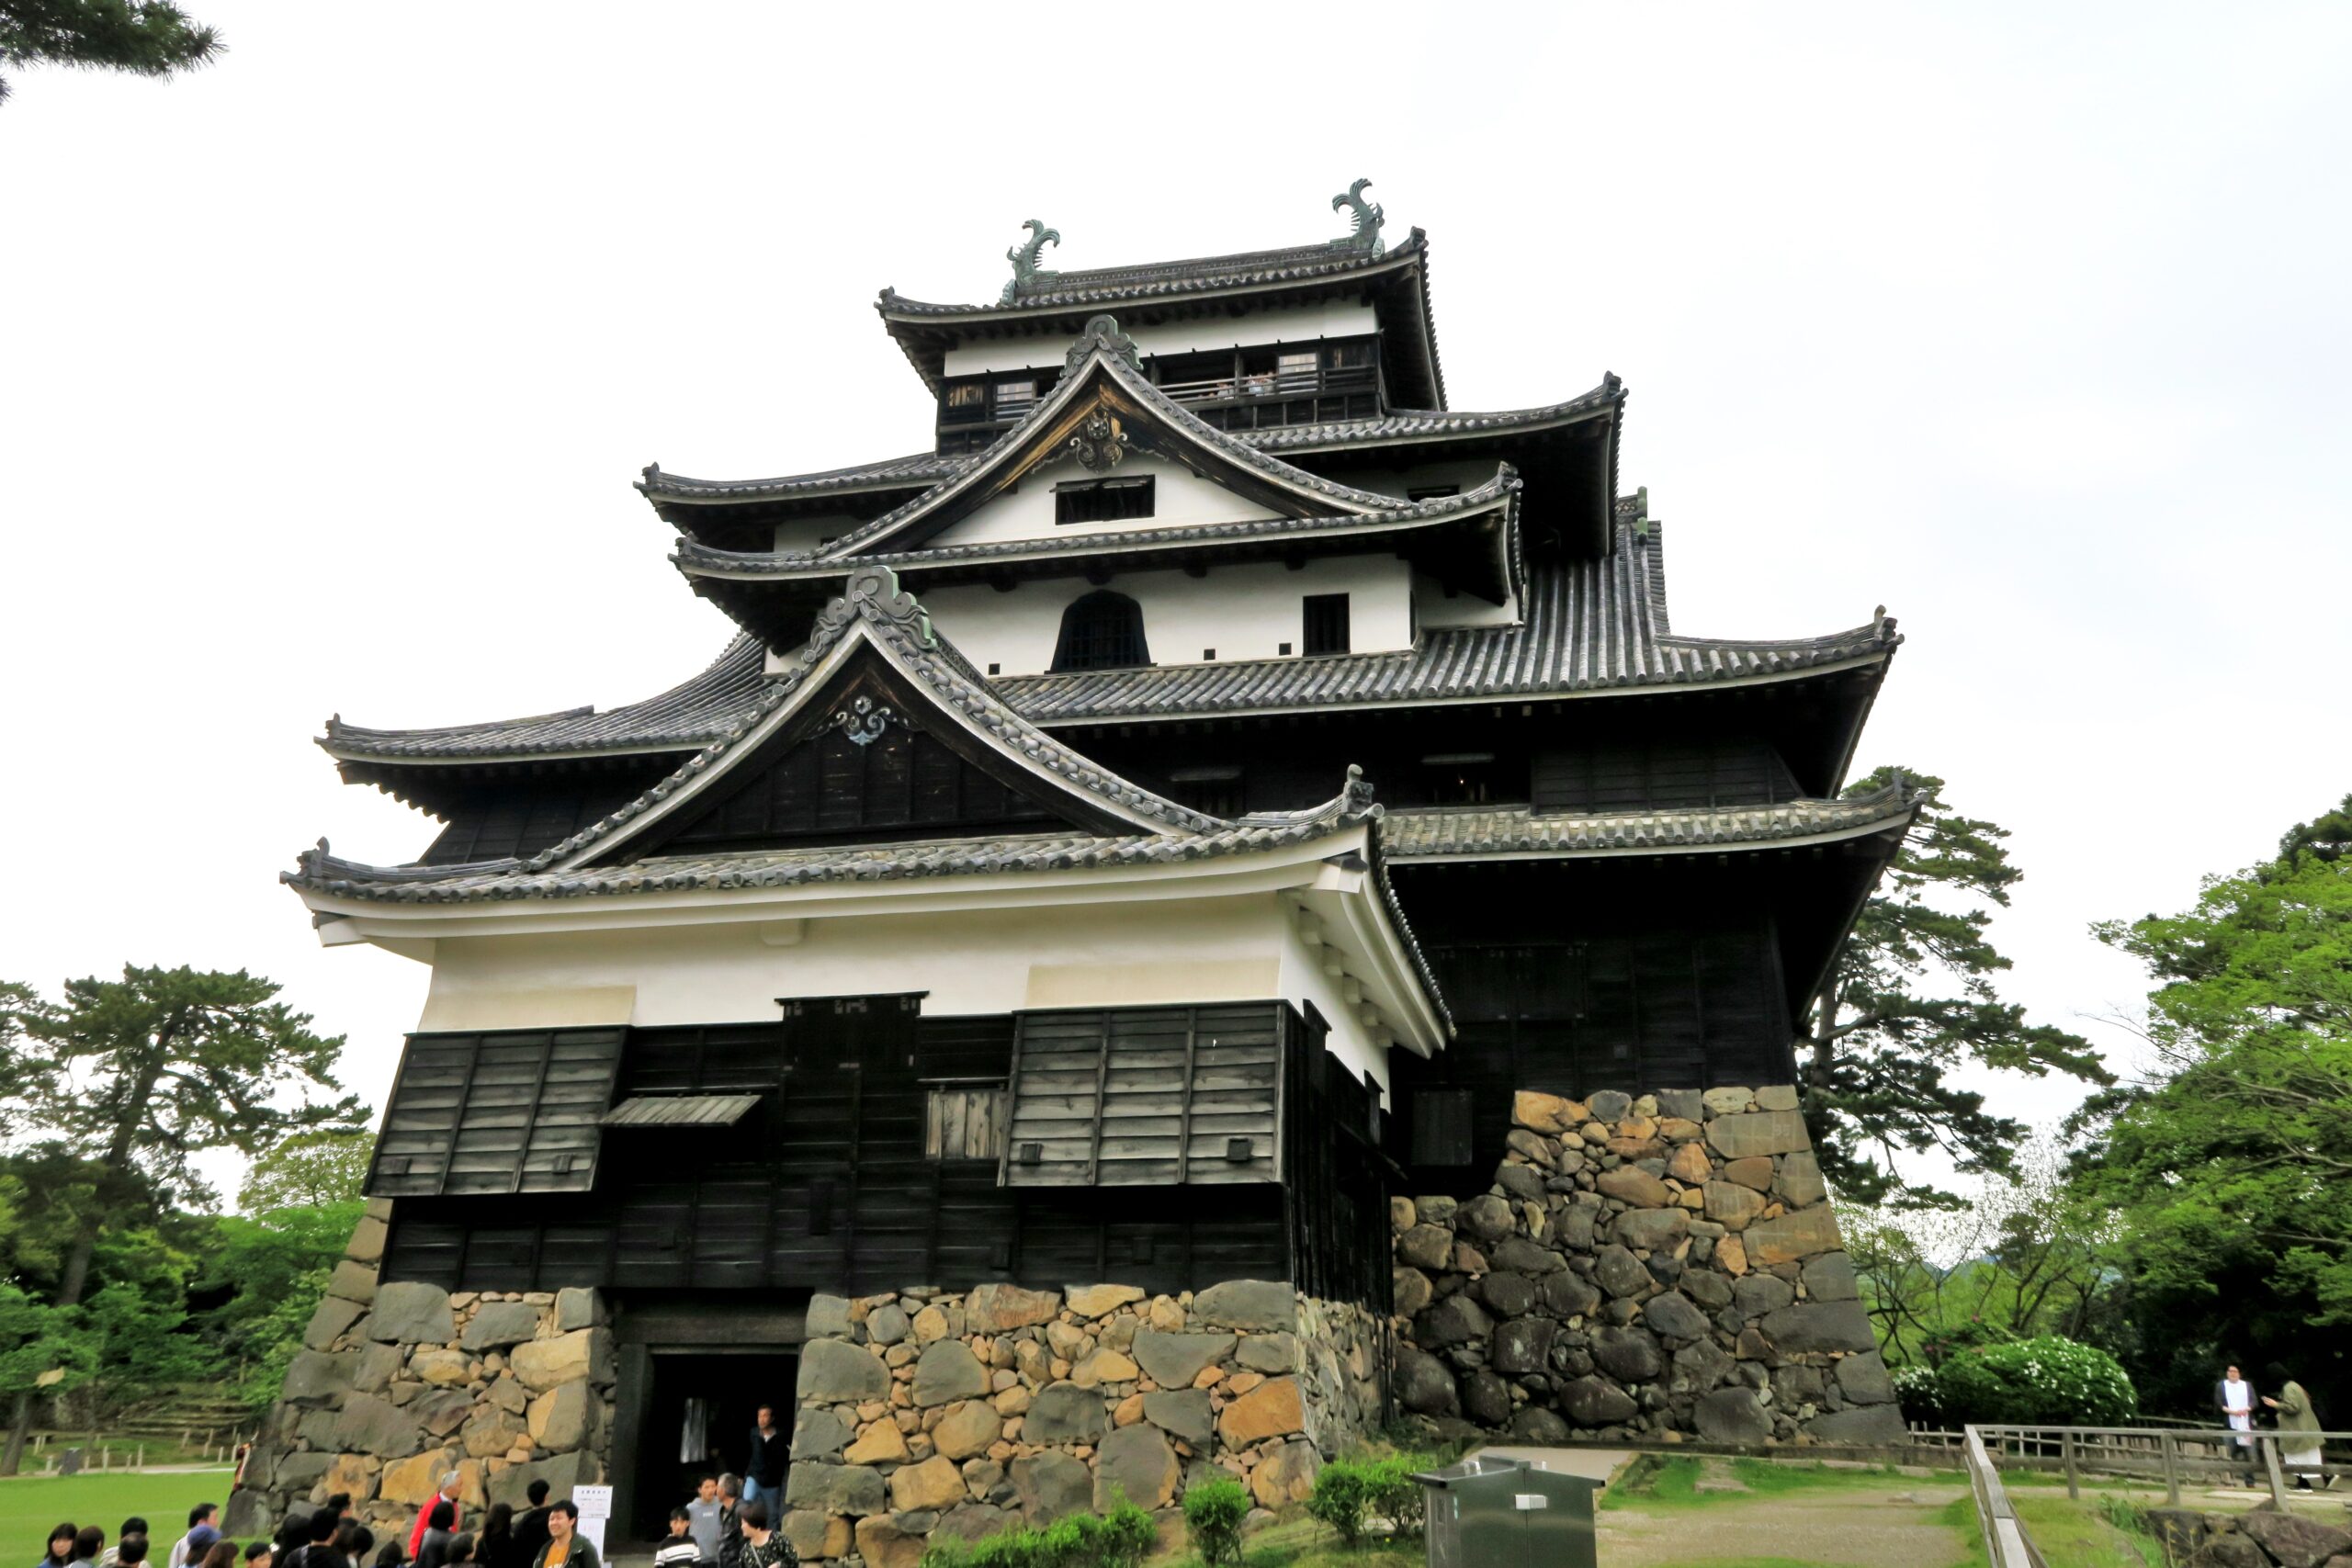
[
  {"x": 1105, "y": 501},
  {"x": 1101, "y": 630},
  {"x": 1326, "y": 628}
]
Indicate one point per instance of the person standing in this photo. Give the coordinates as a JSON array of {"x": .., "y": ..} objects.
[
  {"x": 2233, "y": 1397},
  {"x": 188, "y": 1547},
  {"x": 61, "y": 1547},
  {"x": 496, "y": 1547},
  {"x": 706, "y": 1519},
  {"x": 678, "y": 1549},
  {"x": 566, "y": 1546},
  {"x": 763, "y": 1468},
  {"x": 88, "y": 1541},
  {"x": 451, "y": 1485},
  {"x": 132, "y": 1526},
  {"x": 2299, "y": 1445},
  {"x": 531, "y": 1524},
  {"x": 440, "y": 1519},
  {"x": 731, "y": 1522},
  {"x": 764, "y": 1548}
]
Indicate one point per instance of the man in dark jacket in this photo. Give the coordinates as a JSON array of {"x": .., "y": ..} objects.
[
  {"x": 531, "y": 1524},
  {"x": 764, "y": 1470}
]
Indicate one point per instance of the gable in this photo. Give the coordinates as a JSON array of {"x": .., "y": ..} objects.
[
  {"x": 869, "y": 761},
  {"x": 1031, "y": 510}
]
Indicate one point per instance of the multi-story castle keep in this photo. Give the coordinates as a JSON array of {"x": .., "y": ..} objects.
[{"x": 1209, "y": 910}]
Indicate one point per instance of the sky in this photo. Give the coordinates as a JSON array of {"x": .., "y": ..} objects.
[{"x": 328, "y": 369}]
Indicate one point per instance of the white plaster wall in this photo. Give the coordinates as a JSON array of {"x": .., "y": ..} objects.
[
  {"x": 1244, "y": 612},
  {"x": 804, "y": 534},
  {"x": 1203, "y": 950},
  {"x": 1178, "y": 497},
  {"x": 1304, "y": 977},
  {"x": 1296, "y": 324},
  {"x": 1436, "y": 612},
  {"x": 1467, "y": 473}
]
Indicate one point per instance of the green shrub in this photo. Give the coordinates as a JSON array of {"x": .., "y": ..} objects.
[
  {"x": 1121, "y": 1539},
  {"x": 1350, "y": 1492},
  {"x": 2029, "y": 1383},
  {"x": 1212, "y": 1513}
]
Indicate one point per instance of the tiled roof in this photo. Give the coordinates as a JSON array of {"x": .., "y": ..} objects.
[
  {"x": 1159, "y": 280},
  {"x": 1588, "y": 626},
  {"x": 698, "y": 560},
  {"x": 1480, "y": 831},
  {"x": 931, "y": 468},
  {"x": 689, "y": 713}
]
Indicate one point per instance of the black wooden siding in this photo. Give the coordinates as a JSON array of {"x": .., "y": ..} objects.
[
  {"x": 510, "y": 1112},
  {"x": 1651, "y": 773},
  {"x": 828, "y": 785},
  {"x": 1124, "y": 1097},
  {"x": 826, "y": 1187}
]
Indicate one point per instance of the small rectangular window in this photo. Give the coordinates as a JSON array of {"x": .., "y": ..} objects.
[
  {"x": 1350, "y": 355},
  {"x": 1105, "y": 501},
  {"x": 964, "y": 1121},
  {"x": 968, "y": 394},
  {"x": 1013, "y": 398},
  {"x": 1296, "y": 372},
  {"x": 1442, "y": 1127},
  {"x": 1460, "y": 778},
  {"x": 1326, "y": 627}
]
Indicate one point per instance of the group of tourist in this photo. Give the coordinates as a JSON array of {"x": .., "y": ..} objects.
[
  {"x": 722, "y": 1527},
  {"x": 328, "y": 1534},
  {"x": 2298, "y": 1421}
]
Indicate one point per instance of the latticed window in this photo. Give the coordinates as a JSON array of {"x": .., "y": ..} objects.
[
  {"x": 1325, "y": 622},
  {"x": 1101, "y": 631},
  {"x": 1103, "y": 500}
]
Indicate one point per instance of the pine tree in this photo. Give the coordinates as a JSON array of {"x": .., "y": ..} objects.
[{"x": 150, "y": 38}]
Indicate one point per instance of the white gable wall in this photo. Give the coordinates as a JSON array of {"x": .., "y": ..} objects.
[
  {"x": 1243, "y": 612},
  {"x": 1297, "y": 323},
  {"x": 987, "y": 961},
  {"x": 1178, "y": 497}
]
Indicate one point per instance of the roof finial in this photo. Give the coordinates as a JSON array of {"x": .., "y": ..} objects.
[
  {"x": 1024, "y": 257},
  {"x": 1103, "y": 332},
  {"x": 1363, "y": 224}
]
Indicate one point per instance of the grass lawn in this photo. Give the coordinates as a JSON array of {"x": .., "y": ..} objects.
[
  {"x": 31, "y": 1504},
  {"x": 2078, "y": 1535},
  {"x": 1655, "y": 1483}
]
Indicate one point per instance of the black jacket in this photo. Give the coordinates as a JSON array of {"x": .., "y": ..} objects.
[{"x": 765, "y": 1464}]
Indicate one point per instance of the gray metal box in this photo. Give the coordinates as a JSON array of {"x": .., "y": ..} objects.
[{"x": 1490, "y": 1511}]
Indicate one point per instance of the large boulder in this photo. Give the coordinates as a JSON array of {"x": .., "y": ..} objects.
[
  {"x": 564, "y": 1418},
  {"x": 1064, "y": 1413},
  {"x": 1629, "y": 1355},
  {"x": 884, "y": 1541},
  {"x": 1486, "y": 1399},
  {"x": 412, "y": 1481},
  {"x": 967, "y": 1522},
  {"x": 1426, "y": 1246},
  {"x": 820, "y": 1434},
  {"x": 1569, "y": 1296},
  {"x": 1286, "y": 1475},
  {"x": 1523, "y": 1256},
  {"x": 1457, "y": 1320},
  {"x": 835, "y": 1488},
  {"x": 1522, "y": 1346},
  {"x": 1672, "y": 1315},
  {"x": 561, "y": 1472},
  {"x": 1651, "y": 1230},
  {"x": 1830, "y": 1277},
  {"x": 967, "y": 1429},
  {"x": 1800, "y": 1182},
  {"x": 333, "y": 1316},
  {"x": 583, "y": 1353},
  {"x": 1485, "y": 1218},
  {"x": 1620, "y": 1272},
  {"x": 315, "y": 1374},
  {"x": 1792, "y": 1238},
  {"x": 948, "y": 1371},
  {"x": 578, "y": 1306},
  {"x": 998, "y": 1308},
  {"x": 936, "y": 1483},
  {"x": 1535, "y": 1425},
  {"x": 1758, "y": 1295},
  {"x": 1732, "y": 1416},
  {"x": 1506, "y": 1295},
  {"x": 1862, "y": 1426},
  {"x": 407, "y": 1312},
  {"x": 833, "y": 1371},
  {"x": 1274, "y": 1409},
  {"x": 370, "y": 1425},
  {"x": 1255, "y": 1306},
  {"x": 1632, "y": 1184},
  {"x": 1183, "y": 1414},
  {"x": 497, "y": 1325},
  {"x": 1050, "y": 1486},
  {"x": 1421, "y": 1382},
  {"x": 1173, "y": 1360},
  {"x": 1808, "y": 1327},
  {"x": 1757, "y": 1133},
  {"x": 2292, "y": 1540},
  {"x": 1137, "y": 1462},
  {"x": 1863, "y": 1379}
]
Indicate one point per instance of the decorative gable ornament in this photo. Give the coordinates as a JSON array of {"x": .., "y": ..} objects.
[
  {"x": 864, "y": 720},
  {"x": 875, "y": 591},
  {"x": 1103, "y": 332},
  {"x": 1100, "y": 444},
  {"x": 1363, "y": 221},
  {"x": 1024, "y": 257}
]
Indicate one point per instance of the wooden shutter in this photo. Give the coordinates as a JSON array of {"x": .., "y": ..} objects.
[{"x": 506, "y": 1112}]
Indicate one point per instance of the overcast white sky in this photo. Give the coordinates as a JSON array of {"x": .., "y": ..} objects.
[{"x": 328, "y": 370}]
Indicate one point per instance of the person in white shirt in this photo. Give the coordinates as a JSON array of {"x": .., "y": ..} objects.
[
  {"x": 188, "y": 1548},
  {"x": 2234, "y": 1396}
]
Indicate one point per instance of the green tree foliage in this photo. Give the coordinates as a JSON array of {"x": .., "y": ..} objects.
[
  {"x": 1880, "y": 1042},
  {"x": 309, "y": 1170},
  {"x": 138, "y": 1078},
  {"x": 148, "y": 38},
  {"x": 2044, "y": 1382},
  {"x": 2028, "y": 1255},
  {"x": 1214, "y": 1511},
  {"x": 2231, "y": 1159}
]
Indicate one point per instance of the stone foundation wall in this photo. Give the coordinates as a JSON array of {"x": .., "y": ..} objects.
[
  {"x": 935, "y": 1414},
  {"x": 399, "y": 1385},
  {"x": 1642, "y": 1268}
]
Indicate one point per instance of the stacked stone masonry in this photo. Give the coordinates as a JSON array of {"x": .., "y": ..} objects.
[
  {"x": 2265, "y": 1536},
  {"x": 397, "y": 1384},
  {"x": 1658, "y": 1268},
  {"x": 927, "y": 1414}
]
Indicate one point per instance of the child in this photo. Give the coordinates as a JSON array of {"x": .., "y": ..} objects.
[{"x": 679, "y": 1550}]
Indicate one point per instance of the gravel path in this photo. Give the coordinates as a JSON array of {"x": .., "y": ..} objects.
[{"x": 1843, "y": 1529}]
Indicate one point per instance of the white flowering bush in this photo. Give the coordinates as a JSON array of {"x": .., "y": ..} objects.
[
  {"x": 1919, "y": 1391},
  {"x": 2044, "y": 1382}
]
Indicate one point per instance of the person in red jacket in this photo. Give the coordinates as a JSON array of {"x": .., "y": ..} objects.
[{"x": 449, "y": 1484}]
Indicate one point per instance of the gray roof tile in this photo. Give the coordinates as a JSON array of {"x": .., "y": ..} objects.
[{"x": 1478, "y": 831}]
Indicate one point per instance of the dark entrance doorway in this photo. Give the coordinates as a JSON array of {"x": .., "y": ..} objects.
[{"x": 698, "y": 1410}]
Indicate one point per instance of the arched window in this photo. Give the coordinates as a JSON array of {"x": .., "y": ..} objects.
[{"x": 1101, "y": 630}]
